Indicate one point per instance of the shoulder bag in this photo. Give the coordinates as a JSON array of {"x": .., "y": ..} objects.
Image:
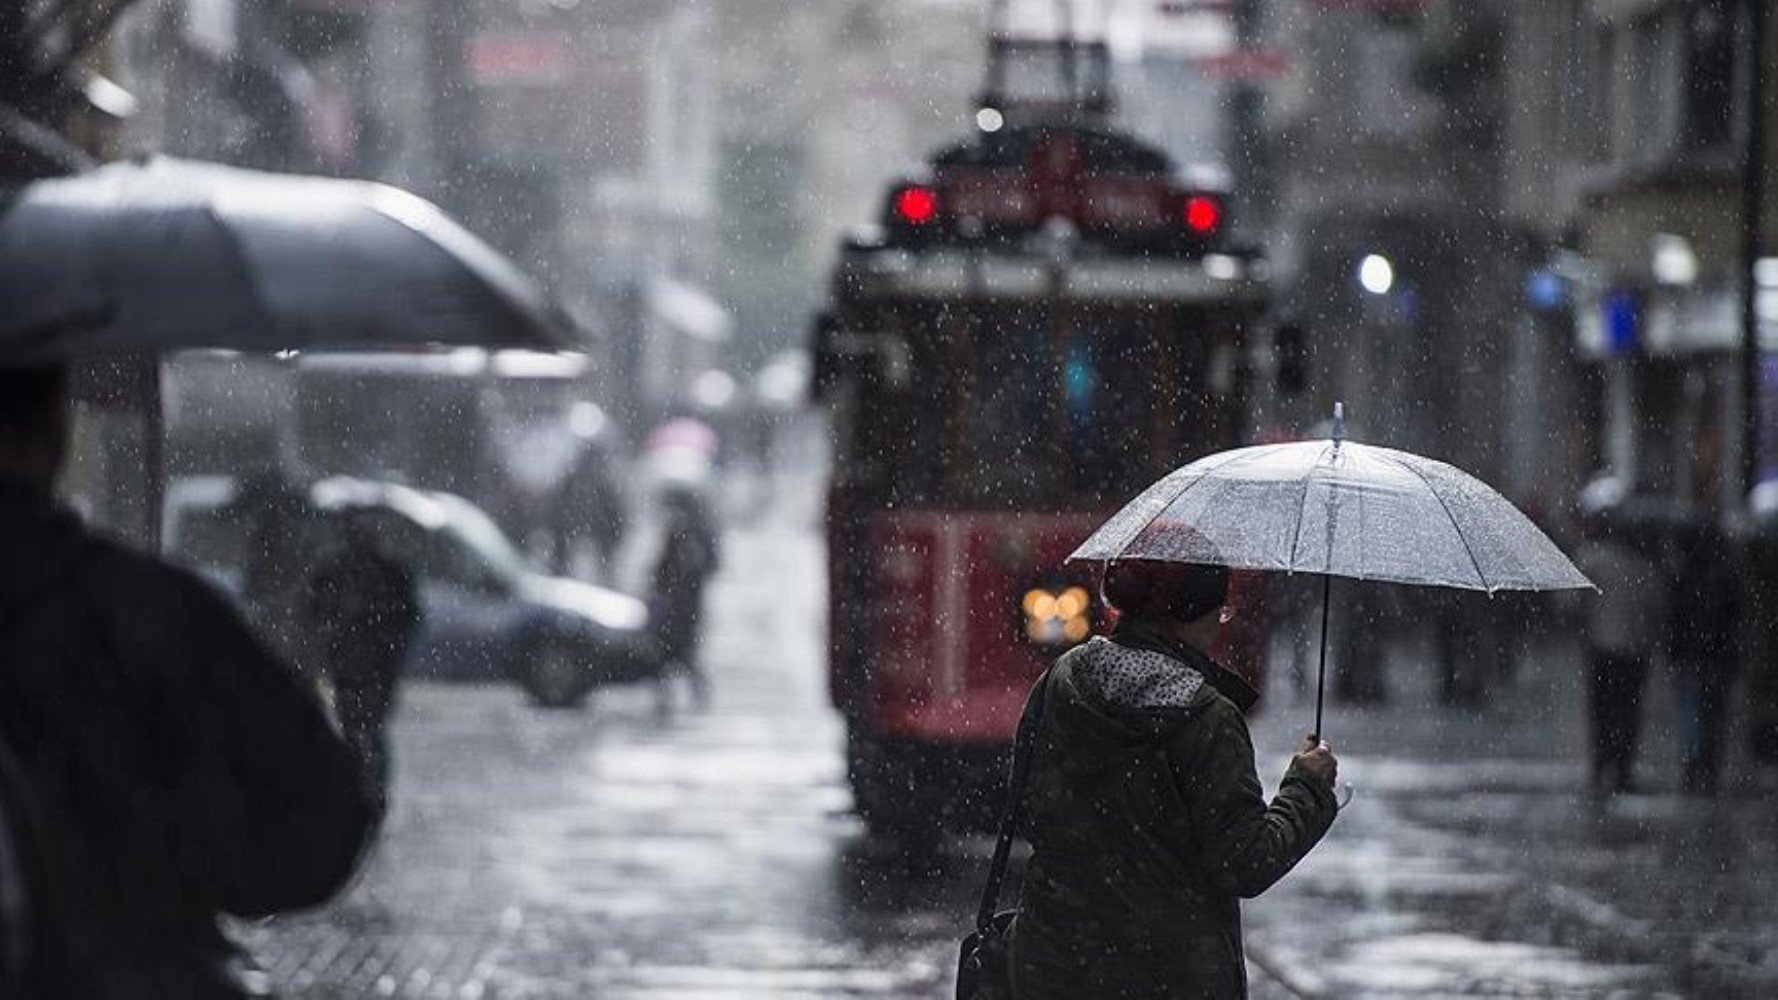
[{"x": 984, "y": 969}]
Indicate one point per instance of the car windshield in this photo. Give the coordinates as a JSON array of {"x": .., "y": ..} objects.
[{"x": 477, "y": 534}]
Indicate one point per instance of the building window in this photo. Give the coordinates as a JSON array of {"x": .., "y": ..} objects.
[
  {"x": 1387, "y": 101},
  {"x": 1586, "y": 100},
  {"x": 1653, "y": 84},
  {"x": 1681, "y": 83},
  {"x": 1710, "y": 92}
]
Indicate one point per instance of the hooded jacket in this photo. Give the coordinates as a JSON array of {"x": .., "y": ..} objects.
[
  {"x": 1148, "y": 826},
  {"x": 181, "y": 770}
]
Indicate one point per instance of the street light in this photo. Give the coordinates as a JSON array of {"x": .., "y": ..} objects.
[
  {"x": 1376, "y": 274},
  {"x": 1673, "y": 260}
]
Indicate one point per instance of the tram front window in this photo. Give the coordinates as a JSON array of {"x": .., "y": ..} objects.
[{"x": 1027, "y": 412}]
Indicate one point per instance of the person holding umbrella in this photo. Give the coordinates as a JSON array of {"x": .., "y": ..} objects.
[
  {"x": 181, "y": 771},
  {"x": 1143, "y": 806},
  {"x": 1132, "y": 760}
]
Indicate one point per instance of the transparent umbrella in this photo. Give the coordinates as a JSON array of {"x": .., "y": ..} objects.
[{"x": 1336, "y": 508}]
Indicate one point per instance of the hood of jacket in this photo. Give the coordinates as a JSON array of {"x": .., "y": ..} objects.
[{"x": 1119, "y": 695}]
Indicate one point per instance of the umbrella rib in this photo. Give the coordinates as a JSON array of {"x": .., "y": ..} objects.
[
  {"x": 1302, "y": 506},
  {"x": 1481, "y": 577}
]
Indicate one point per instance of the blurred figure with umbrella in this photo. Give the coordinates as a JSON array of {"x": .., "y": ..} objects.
[{"x": 184, "y": 771}]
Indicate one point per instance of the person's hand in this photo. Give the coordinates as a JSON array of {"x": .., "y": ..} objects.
[{"x": 1317, "y": 758}]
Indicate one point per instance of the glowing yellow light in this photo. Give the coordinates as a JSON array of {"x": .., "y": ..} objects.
[
  {"x": 1075, "y": 630},
  {"x": 1030, "y": 602},
  {"x": 1072, "y": 603},
  {"x": 1044, "y": 607},
  {"x": 1036, "y": 630}
]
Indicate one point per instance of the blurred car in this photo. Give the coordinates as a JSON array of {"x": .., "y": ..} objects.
[{"x": 488, "y": 613}]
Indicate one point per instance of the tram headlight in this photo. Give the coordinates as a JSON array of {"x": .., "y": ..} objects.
[{"x": 1060, "y": 616}]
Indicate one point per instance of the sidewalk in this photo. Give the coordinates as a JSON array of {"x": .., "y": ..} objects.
[{"x": 1473, "y": 862}]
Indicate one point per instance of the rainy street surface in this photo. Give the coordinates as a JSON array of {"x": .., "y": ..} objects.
[{"x": 612, "y": 852}]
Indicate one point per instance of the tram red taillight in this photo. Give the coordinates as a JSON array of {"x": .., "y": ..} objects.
[
  {"x": 916, "y": 205},
  {"x": 1202, "y": 214}
]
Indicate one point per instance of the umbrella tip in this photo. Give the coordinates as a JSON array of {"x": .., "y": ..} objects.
[{"x": 1339, "y": 422}]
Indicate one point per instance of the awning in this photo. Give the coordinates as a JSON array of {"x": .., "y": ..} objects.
[{"x": 689, "y": 310}]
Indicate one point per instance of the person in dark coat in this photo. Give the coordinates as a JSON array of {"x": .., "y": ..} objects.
[
  {"x": 589, "y": 507},
  {"x": 687, "y": 559},
  {"x": 184, "y": 773},
  {"x": 1704, "y": 613},
  {"x": 1144, "y": 811},
  {"x": 365, "y": 608},
  {"x": 1626, "y": 622}
]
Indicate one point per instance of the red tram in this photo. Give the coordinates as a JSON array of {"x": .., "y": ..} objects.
[{"x": 1045, "y": 321}]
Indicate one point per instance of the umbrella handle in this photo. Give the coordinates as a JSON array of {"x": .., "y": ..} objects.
[{"x": 1321, "y": 675}]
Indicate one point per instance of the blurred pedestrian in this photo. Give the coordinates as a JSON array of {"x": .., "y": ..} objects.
[
  {"x": 590, "y": 510},
  {"x": 1704, "y": 625},
  {"x": 688, "y": 557},
  {"x": 183, "y": 771},
  {"x": 1145, "y": 814},
  {"x": 365, "y": 608},
  {"x": 1624, "y": 625}
]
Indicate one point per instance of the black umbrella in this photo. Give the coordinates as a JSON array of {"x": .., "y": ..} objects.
[{"x": 161, "y": 254}]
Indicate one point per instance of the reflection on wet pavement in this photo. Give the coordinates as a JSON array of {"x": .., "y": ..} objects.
[{"x": 612, "y": 852}]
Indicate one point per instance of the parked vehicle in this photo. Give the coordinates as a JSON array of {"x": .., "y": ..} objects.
[{"x": 488, "y": 613}]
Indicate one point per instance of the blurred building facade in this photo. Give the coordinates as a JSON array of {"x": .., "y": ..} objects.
[
  {"x": 1557, "y": 190},
  {"x": 1635, "y": 167},
  {"x": 1650, "y": 167},
  {"x": 1380, "y": 147}
]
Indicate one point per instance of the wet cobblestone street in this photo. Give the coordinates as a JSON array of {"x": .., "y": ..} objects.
[{"x": 617, "y": 852}]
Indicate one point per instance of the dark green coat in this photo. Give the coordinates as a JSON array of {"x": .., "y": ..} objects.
[{"x": 1148, "y": 826}]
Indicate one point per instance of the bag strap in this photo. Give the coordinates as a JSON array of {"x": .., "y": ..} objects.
[{"x": 1015, "y": 803}]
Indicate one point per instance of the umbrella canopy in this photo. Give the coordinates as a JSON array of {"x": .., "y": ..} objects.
[
  {"x": 162, "y": 254},
  {"x": 1337, "y": 508}
]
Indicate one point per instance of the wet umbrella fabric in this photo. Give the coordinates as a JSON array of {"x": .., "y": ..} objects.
[
  {"x": 162, "y": 254},
  {"x": 1336, "y": 508},
  {"x": 1340, "y": 509}
]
